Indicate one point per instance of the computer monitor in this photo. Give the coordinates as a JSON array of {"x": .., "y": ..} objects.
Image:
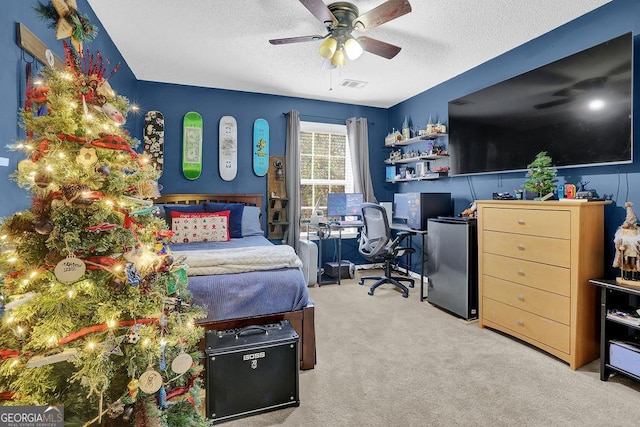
[
  {"x": 400, "y": 207},
  {"x": 344, "y": 204}
]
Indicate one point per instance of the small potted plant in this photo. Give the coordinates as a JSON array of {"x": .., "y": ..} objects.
[{"x": 541, "y": 176}]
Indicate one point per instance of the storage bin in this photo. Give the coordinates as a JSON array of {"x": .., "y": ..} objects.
[{"x": 625, "y": 356}]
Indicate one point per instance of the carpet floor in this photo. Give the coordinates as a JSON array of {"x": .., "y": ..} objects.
[{"x": 384, "y": 360}]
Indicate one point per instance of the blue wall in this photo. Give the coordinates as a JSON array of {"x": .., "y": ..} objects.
[
  {"x": 609, "y": 21},
  {"x": 12, "y": 85},
  {"x": 174, "y": 101}
]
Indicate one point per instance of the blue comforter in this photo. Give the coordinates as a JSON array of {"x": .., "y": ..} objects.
[{"x": 229, "y": 296}]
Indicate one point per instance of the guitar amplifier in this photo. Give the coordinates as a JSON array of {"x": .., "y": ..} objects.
[{"x": 251, "y": 370}]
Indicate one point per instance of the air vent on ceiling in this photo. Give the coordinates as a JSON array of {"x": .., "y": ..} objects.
[{"x": 355, "y": 84}]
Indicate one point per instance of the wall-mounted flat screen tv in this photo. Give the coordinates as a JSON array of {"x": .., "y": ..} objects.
[{"x": 578, "y": 109}]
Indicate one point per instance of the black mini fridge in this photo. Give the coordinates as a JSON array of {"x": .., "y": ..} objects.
[
  {"x": 251, "y": 370},
  {"x": 452, "y": 265}
]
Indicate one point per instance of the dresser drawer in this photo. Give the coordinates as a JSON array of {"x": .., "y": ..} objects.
[
  {"x": 536, "y": 327},
  {"x": 552, "y": 306},
  {"x": 548, "y": 223},
  {"x": 530, "y": 248},
  {"x": 546, "y": 277}
]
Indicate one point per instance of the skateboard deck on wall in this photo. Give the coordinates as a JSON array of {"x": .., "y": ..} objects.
[
  {"x": 260, "y": 147},
  {"x": 192, "y": 145},
  {"x": 228, "y": 147},
  {"x": 154, "y": 139}
]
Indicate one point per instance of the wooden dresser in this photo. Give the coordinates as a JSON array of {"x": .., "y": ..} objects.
[{"x": 535, "y": 260}]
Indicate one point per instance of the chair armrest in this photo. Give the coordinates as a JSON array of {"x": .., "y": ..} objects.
[
  {"x": 407, "y": 249},
  {"x": 404, "y": 234}
]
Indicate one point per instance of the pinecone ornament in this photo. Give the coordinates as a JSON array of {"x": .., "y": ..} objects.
[{"x": 72, "y": 191}]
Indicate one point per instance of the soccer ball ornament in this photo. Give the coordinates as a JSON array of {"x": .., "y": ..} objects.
[{"x": 132, "y": 337}]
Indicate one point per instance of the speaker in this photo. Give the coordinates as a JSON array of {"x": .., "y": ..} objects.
[
  {"x": 347, "y": 269},
  {"x": 251, "y": 370},
  {"x": 423, "y": 206}
]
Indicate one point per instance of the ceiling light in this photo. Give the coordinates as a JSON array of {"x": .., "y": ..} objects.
[
  {"x": 352, "y": 48},
  {"x": 596, "y": 104},
  {"x": 328, "y": 47},
  {"x": 338, "y": 59}
]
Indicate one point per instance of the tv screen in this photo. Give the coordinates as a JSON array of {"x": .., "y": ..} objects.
[
  {"x": 578, "y": 109},
  {"x": 344, "y": 204}
]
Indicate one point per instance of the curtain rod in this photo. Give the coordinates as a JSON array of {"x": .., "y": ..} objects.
[{"x": 309, "y": 116}]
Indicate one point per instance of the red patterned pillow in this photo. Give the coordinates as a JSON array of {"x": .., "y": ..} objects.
[{"x": 200, "y": 227}]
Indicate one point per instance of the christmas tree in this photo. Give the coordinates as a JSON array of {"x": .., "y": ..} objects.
[
  {"x": 95, "y": 307},
  {"x": 541, "y": 175}
]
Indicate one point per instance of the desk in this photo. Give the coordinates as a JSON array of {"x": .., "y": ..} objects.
[
  {"x": 423, "y": 250},
  {"x": 324, "y": 232}
]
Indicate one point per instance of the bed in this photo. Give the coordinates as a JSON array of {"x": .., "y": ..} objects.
[{"x": 222, "y": 275}]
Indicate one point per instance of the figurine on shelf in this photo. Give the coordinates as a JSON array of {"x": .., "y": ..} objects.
[
  {"x": 406, "y": 130},
  {"x": 627, "y": 244},
  {"x": 392, "y": 138},
  {"x": 431, "y": 128}
]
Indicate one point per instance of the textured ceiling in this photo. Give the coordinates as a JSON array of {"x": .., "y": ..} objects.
[{"x": 224, "y": 43}]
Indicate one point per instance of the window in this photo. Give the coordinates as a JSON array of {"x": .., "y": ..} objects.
[{"x": 325, "y": 164}]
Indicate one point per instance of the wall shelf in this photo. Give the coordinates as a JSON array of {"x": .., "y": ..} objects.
[
  {"x": 415, "y": 139},
  {"x": 415, "y": 159},
  {"x": 425, "y": 175}
]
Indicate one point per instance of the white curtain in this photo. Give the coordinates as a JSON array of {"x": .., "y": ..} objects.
[
  {"x": 292, "y": 176},
  {"x": 358, "y": 137}
]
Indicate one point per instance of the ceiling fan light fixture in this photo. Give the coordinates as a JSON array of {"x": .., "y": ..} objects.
[
  {"x": 328, "y": 47},
  {"x": 338, "y": 59},
  {"x": 353, "y": 48}
]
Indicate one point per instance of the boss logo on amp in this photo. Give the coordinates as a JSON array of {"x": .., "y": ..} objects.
[{"x": 253, "y": 356}]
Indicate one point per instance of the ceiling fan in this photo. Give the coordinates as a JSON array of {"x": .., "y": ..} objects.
[{"x": 340, "y": 20}]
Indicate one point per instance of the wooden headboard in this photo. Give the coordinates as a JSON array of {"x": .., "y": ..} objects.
[{"x": 195, "y": 199}]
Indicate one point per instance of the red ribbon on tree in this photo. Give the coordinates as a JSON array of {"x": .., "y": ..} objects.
[{"x": 103, "y": 327}]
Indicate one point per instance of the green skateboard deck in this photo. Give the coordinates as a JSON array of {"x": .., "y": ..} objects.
[
  {"x": 192, "y": 145},
  {"x": 154, "y": 138},
  {"x": 260, "y": 147},
  {"x": 228, "y": 148}
]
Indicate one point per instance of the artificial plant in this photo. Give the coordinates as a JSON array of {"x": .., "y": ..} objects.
[{"x": 541, "y": 175}]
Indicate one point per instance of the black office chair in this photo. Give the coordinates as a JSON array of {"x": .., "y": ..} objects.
[{"x": 378, "y": 245}]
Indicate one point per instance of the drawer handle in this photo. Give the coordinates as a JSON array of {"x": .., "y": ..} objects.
[
  {"x": 520, "y": 297},
  {"x": 521, "y": 221},
  {"x": 520, "y": 272},
  {"x": 520, "y": 246},
  {"x": 520, "y": 322}
]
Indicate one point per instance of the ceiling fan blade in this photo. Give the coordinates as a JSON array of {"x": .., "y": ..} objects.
[
  {"x": 387, "y": 11},
  {"x": 296, "y": 39},
  {"x": 320, "y": 11},
  {"x": 378, "y": 47}
]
